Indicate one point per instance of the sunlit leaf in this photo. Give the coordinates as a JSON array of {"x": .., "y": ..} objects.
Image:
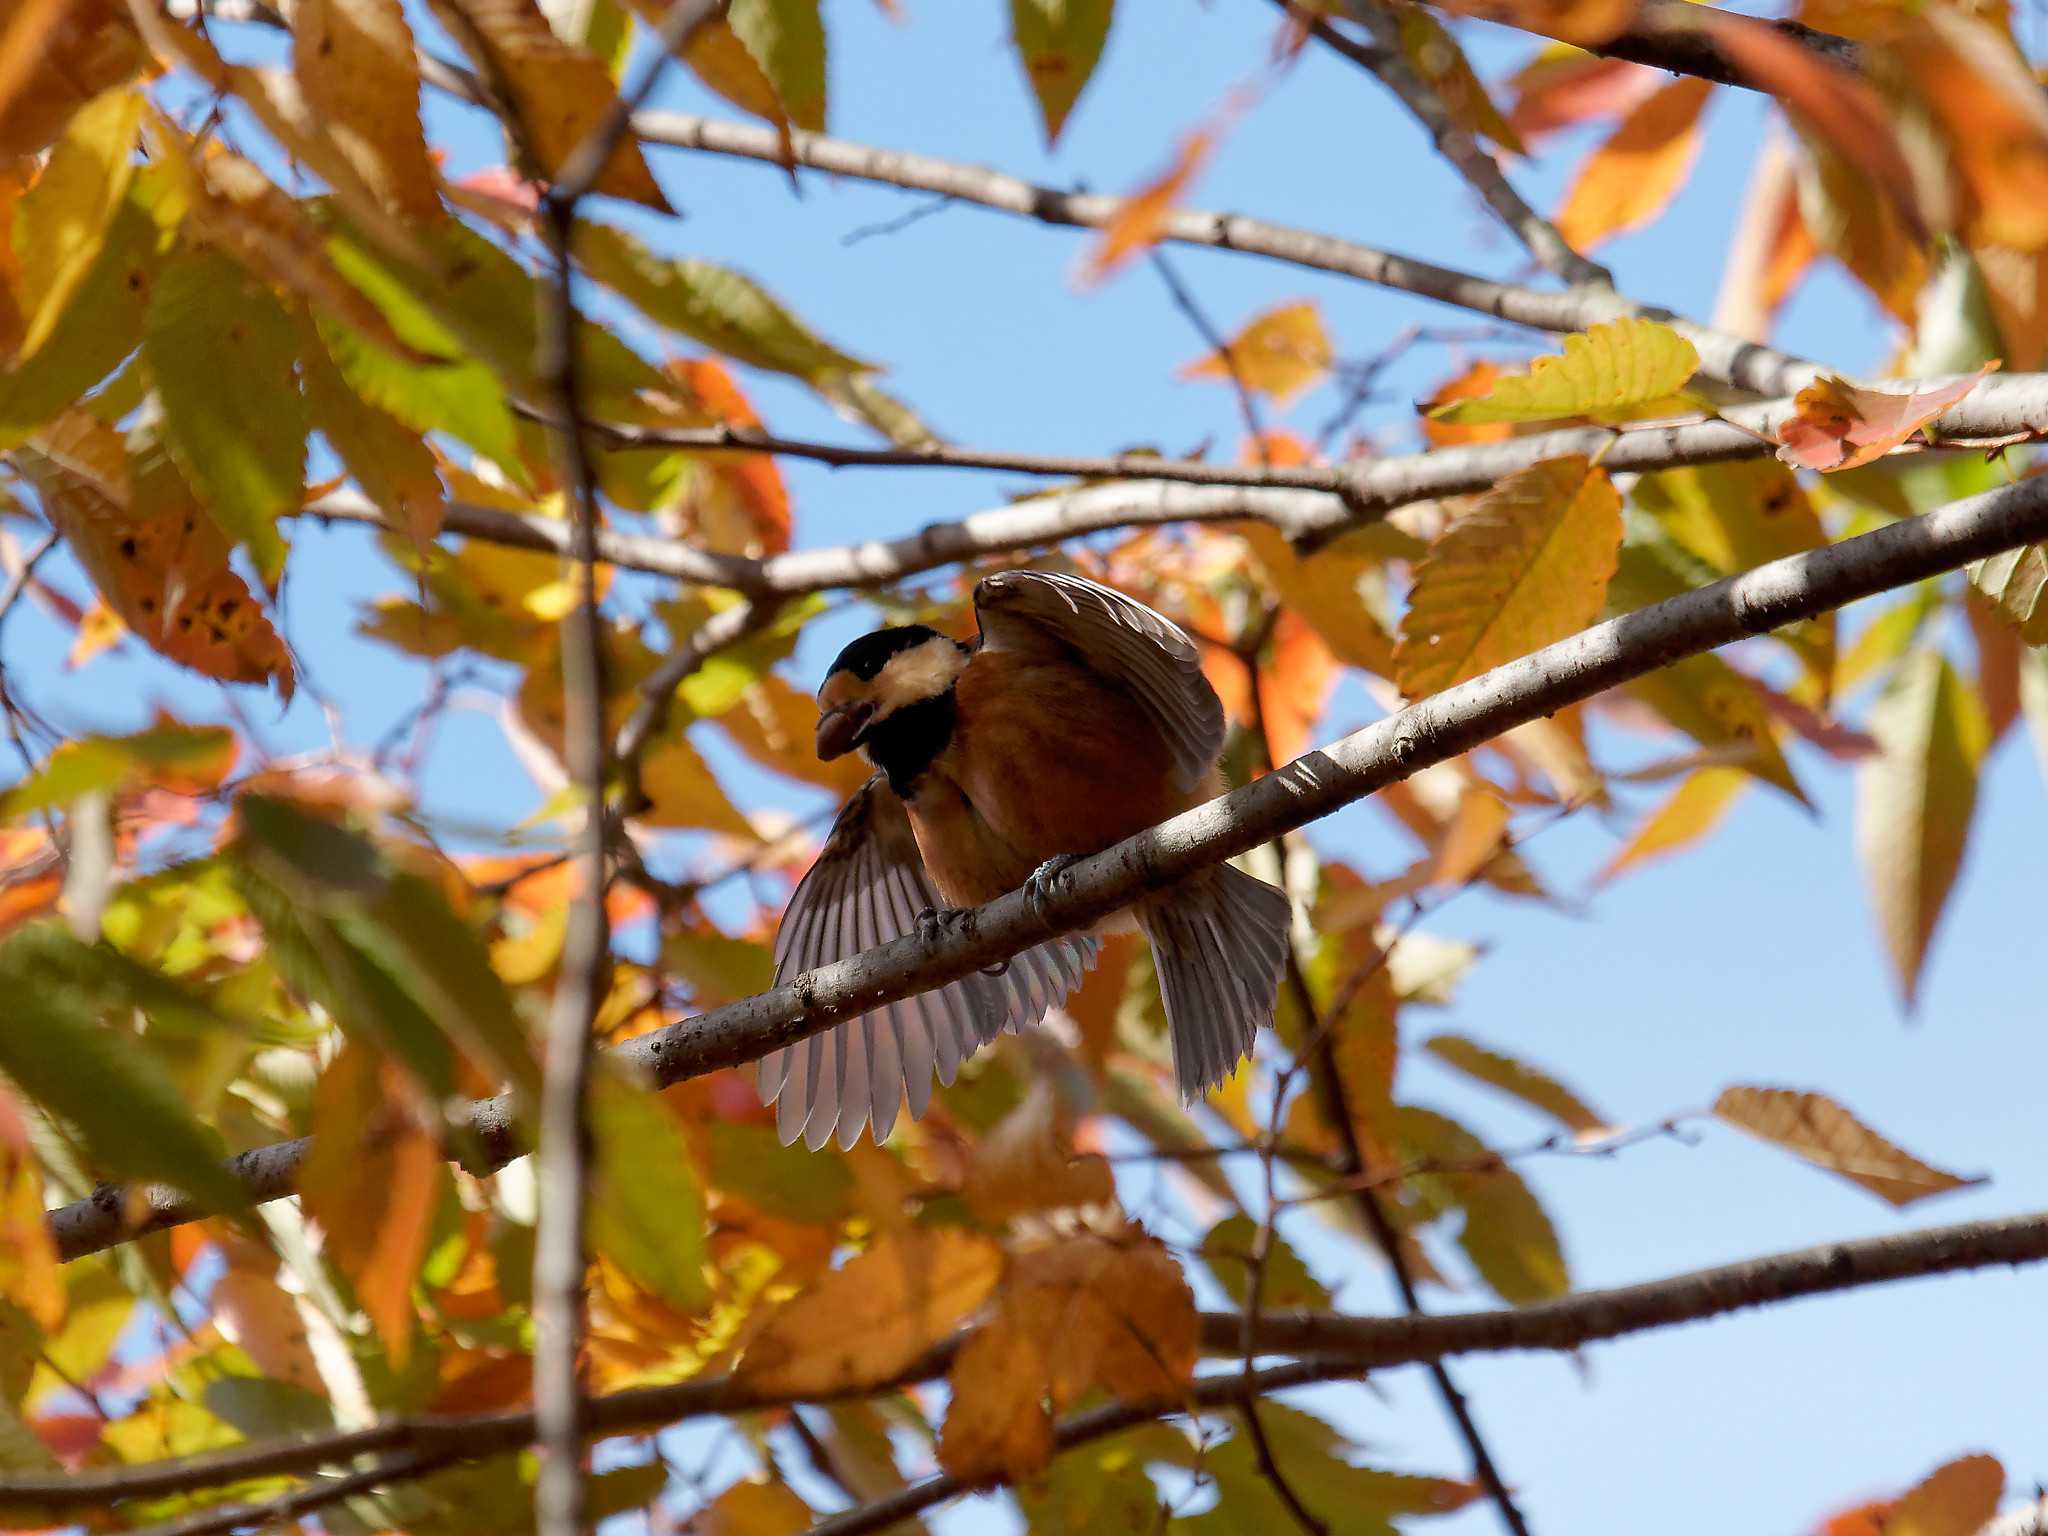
[
  {"x": 1958, "y": 1498},
  {"x": 863, "y": 1323},
  {"x": 1699, "y": 804},
  {"x": 355, "y": 63},
  {"x": 683, "y": 792},
  {"x": 223, "y": 353},
  {"x": 388, "y": 460},
  {"x": 1435, "y": 53},
  {"x": 1506, "y": 1233},
  {"x": 1724, "y": 711},
  {"x": 78, "y": 51},
  {"x": 1632, "y": 177},
  {"x": 1585, "y": 22},
  {"x": 29, "y": 1275},
  {"x": 717, "y": 57},
  {"x": 61, "y": 225},
  {"x": 1815, "y": 1127},
  {"x": 1838, "y": 425},
  {"x": 185, "y": 756},
  {"x": 2016, "y": 584},
  {"x": 1989, "y": 106},
  {"x": 1136, "y": 225},
  {"x": 1915, "y": 801},
  {"x": 1024, "y": 1164},
  {"x": 1533, "y": 1086},
  {"x": 1280, "y": 353},
  {"x": 559, "y": 92},
  {"x": 790, "y": 1183},
  {"x": 153, "y": 554},
  {"x": 786, "y": 38},
  {"x": 1563, "y": 86},
  {"x": 1528, "y": 564},
  {"x": 1607, "y": 371},
  {"x": 1058, "y": 42}
]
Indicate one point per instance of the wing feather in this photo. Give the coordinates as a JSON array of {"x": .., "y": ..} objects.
[
  {"x": 1145, "y": 652},
  {"x": 867, "y": 888}
]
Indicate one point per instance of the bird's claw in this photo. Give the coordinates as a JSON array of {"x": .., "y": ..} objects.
[
  {"x": 931, "y": 923},
  {"x": 1039, "y": 886}
]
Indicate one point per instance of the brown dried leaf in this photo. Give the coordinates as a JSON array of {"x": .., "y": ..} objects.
[
  {"x": 1024, "y": 1164},
  {"x": 165, "y": 569},
  {"x": 1957, "y": 1499},
  {"x": 55, "y": 56},
  {"x": 1816, "y": 1128},
  {"x": 1528, "y": 564},
  {"x": 862, "y": 1324}
]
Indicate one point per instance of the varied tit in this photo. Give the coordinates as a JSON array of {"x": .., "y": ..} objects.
[{"x": 1076, "y": 719}]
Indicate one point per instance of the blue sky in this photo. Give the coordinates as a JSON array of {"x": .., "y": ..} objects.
[{"x": 1753, "y": 959}]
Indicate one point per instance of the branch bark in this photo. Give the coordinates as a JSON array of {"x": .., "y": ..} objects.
[
  {"x": 1333, "y": 1346},
  {"x": 1430, "y": 731}
]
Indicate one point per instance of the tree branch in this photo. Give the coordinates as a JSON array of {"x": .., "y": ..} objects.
[
  {"x": 1307, "y": 503},
  {"x": 1334, "y": 1346},
  {"x": 1431, "y": 731}
]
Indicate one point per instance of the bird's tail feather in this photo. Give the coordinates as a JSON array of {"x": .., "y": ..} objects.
[{"x": 1219, "y": 943}]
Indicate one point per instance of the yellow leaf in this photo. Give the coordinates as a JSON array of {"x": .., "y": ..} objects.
[
  {"x": 2016, "y": 583},
  {"x": 1328, "y": 591},
  {"x": 1957, "y": 1499},
  {"x": 1628, "y": 180},
  {"x": 1914, "y": 801},
  {"x": 1442, "y": 63},
  {"x": 1722, "y": 710},
  {"x": 356, "y": 67},
  {"x": 1608, "y": 371},
  {"x": 1816, "y": 1128},
  {"x": 863, "y": 1324},
  {"x": 717, "y": 57},
  {"x": 1280, "y": 353},
  {"x": 161, "y": 564},
  {"x": 1695, "y": 808},
  {"x": 1023, "y": 1165},
  {"x": 1528, "y": 564},
  {"x": 100, "y": 628},
  {"x": 29, "y": 1273},
  {"x": 62, "y": 221},
  {"x": 684, "y": 792},
  {"x": 560, "y": 93},
  {"x": 1477, "y": 833}
]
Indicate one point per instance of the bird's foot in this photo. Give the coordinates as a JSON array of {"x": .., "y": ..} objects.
[
  {"x": 932, "y": 923},
  {"x": 1039, "y": 886}
]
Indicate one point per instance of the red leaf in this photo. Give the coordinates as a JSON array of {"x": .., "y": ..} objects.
[{"x": 1839, "y": 425}]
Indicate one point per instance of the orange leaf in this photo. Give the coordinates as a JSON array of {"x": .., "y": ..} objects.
[
  {"x": 1560, "y": 87},
  {"x": 1695, "y": 808},
  {"x": 1835, "y": 104},
  {"x": 1024, "y": 1164},
  {"x": 1839, "y": 425},
  {"x": 1475, "y": 383},
  {"x": 1957, "y": 1499},
  {"x": 1627, "y": 181},
  {"x": 1585, "y": 22},
  {"x": 1986, "y": 99},
  {"x": 163, "y": 567},
  {"x": 1280, "y": 353},
  {"x": 1134, "y": 228},
  {"x": 29, "y": 1274}
]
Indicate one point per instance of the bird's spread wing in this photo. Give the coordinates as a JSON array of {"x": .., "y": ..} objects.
[
  {"x": 867, "y": 887},
  {"x": 1146, "y": 653}
]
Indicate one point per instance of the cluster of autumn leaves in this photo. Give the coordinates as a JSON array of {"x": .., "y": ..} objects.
[{"x": 196, "y": 355}]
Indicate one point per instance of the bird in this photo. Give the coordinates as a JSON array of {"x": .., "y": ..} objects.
[{"x": 1076, "y": 718}]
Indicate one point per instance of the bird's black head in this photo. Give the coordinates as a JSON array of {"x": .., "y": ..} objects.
[{"x": 881, "y": 678}]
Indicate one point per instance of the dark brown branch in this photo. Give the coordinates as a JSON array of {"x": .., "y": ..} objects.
[
  {"x": 1338, "y": 1346},
  {"x": 1669, "y": 35}
]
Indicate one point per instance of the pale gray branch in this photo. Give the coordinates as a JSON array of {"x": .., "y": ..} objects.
[{"x": 1431, "y": 731}]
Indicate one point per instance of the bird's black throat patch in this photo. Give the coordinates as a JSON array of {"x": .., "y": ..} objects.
[{"x": 904, "y": 743}]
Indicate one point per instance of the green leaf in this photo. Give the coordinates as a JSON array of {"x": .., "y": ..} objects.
[
  {"x": 787, "y": 39},
  {"x": 723, "y": 309},
  {"x": 1058, "y": 43},
  {"x": 388, "y": 460},
  {"x": 59, "y": 1049},
  {"x": 63, "y": 220},
  {"x": 1914, "y": 802},
  {"x": 224, "y": 352},
  {"x": 1607, "y": 372},
  {"x": 100, "y": 326},
  {"x": 1507, "y": 1235},
  {"x": 1096, "y": 1488},
  {"x": 646, "y": 1212},
  {"x": 789, "y": 1183},
  {"x": 718, "y": 968},
  {"x": 1538, "y": 1089},
  {"x": 87, "y": 764},
  {"x": 383, "y": 929},
  {"x": 1287, "y": 1284},
  {"x": 857, "y": 397}
]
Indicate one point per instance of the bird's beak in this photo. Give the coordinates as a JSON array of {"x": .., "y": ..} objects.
[{"x": 839, "y": 729}]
